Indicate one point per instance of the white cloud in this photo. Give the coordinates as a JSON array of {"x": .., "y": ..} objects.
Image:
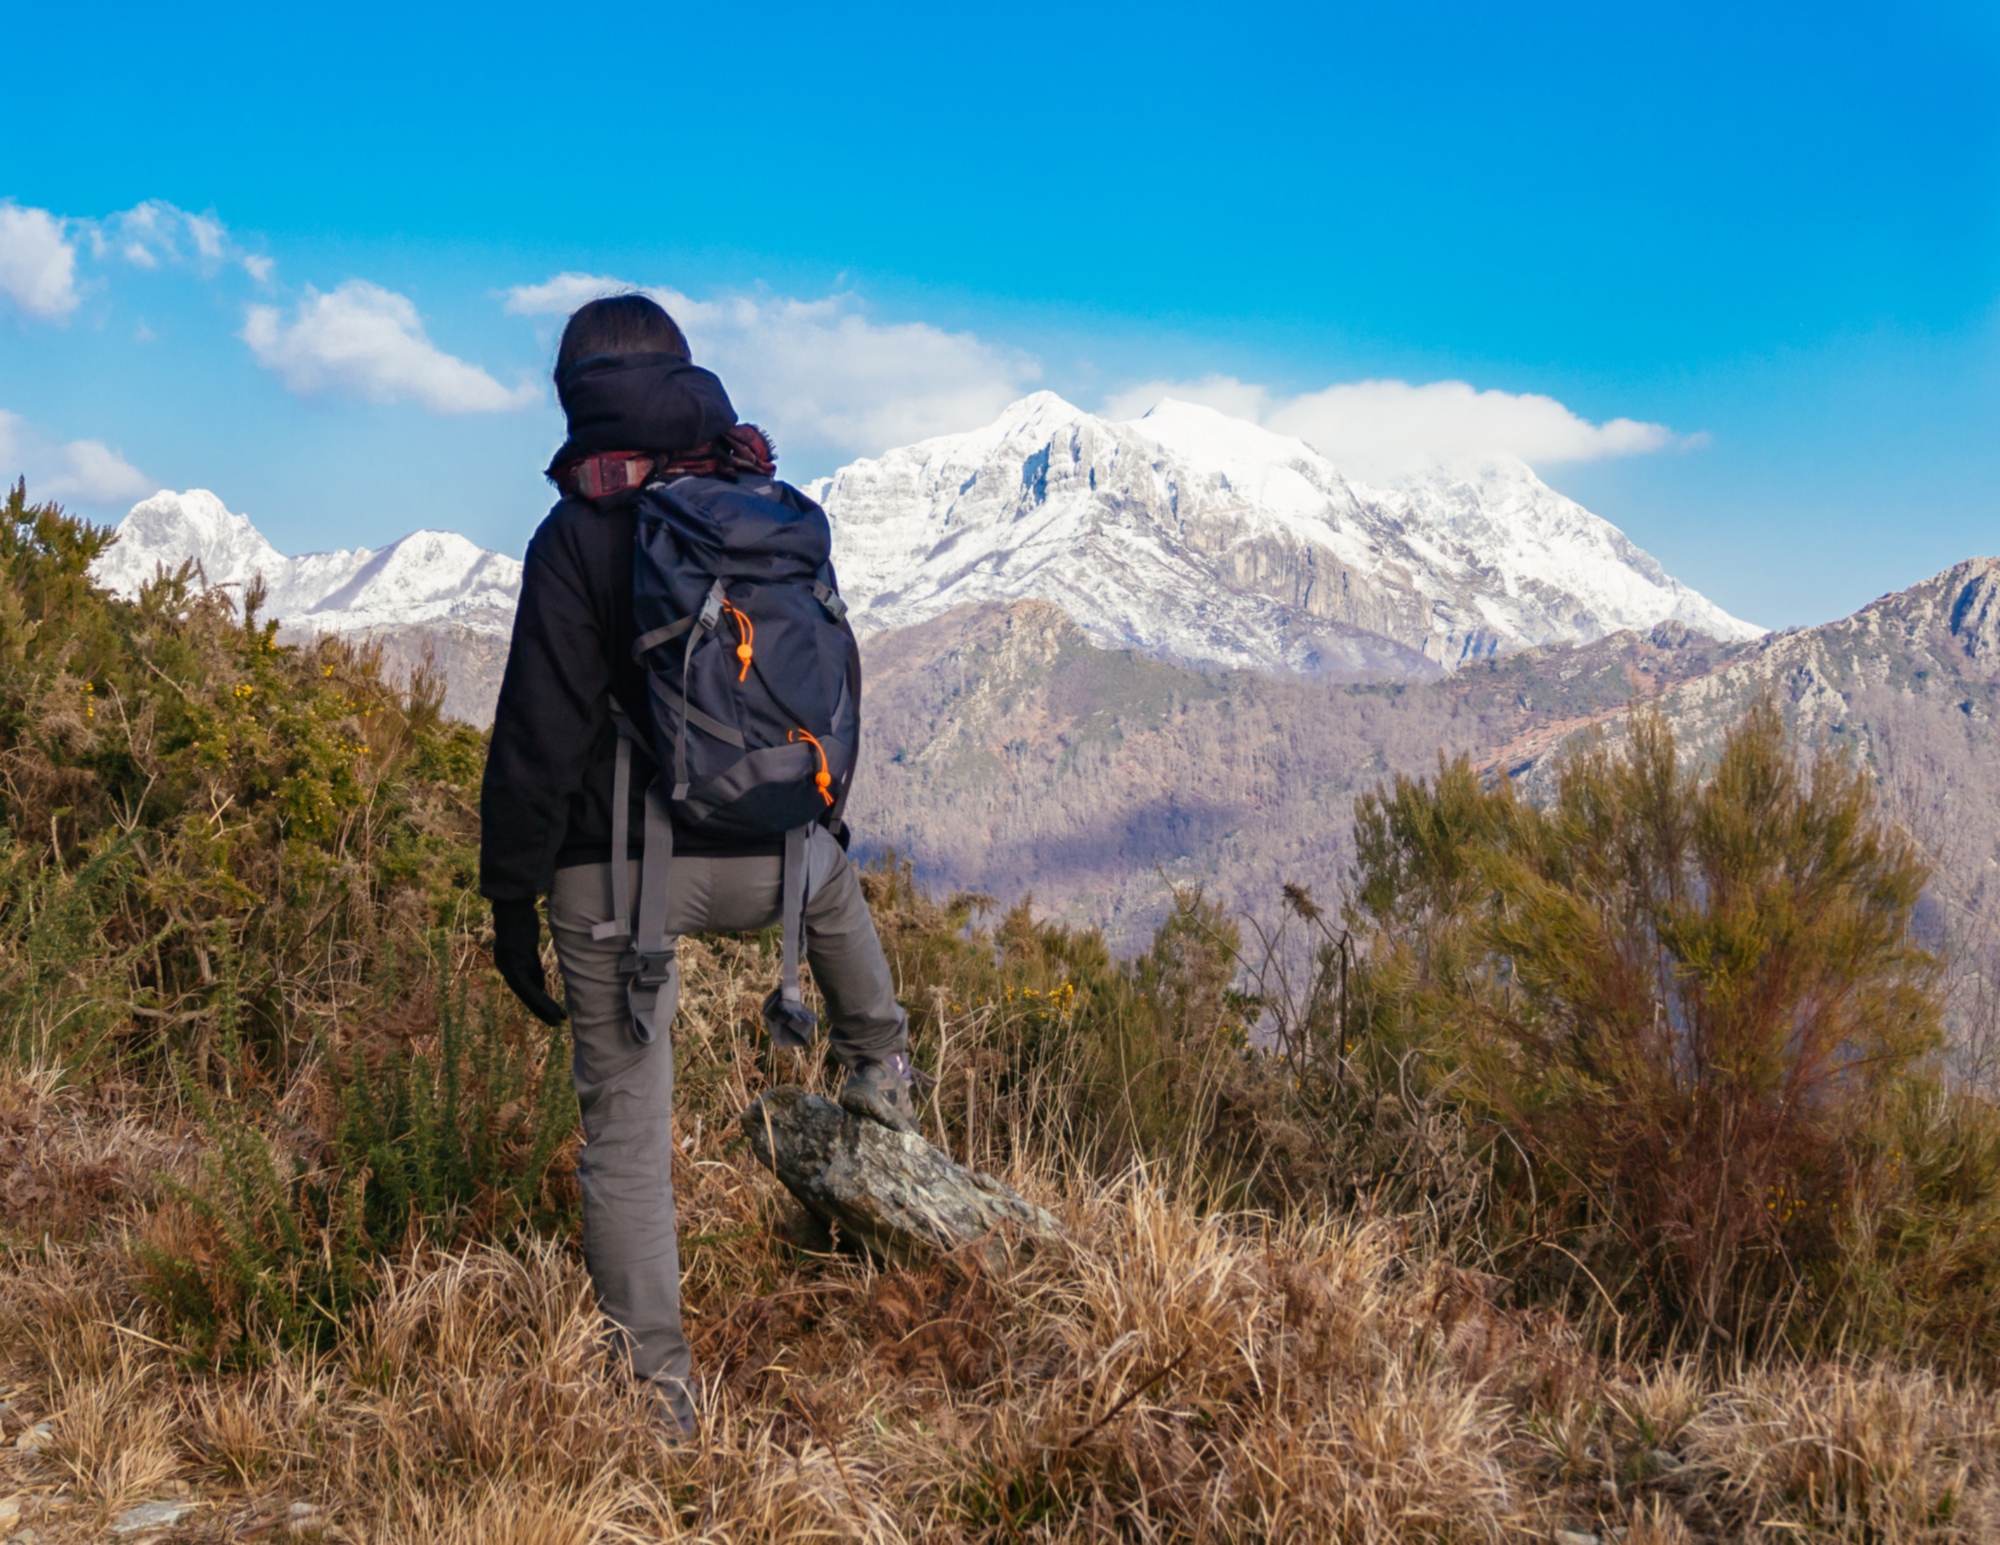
[
  {"x": 559, "y": 296},
  {"x": 156, "y": 233},
  {"x": 823, "y": 372},
  {"x": 370, "y": 342},
  {"x": 37, "y": 262},
  {"x": 82, "y": 469},
  {"x": 1387, "y": 427}
]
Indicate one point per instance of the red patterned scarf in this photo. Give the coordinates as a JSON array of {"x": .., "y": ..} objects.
[{"x": 744, "y": 449}]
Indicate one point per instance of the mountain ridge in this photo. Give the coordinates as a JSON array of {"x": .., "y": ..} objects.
[
  {"x": 1191, "y": 536},
  {"x": 426, "y": 577},
  {"x": 1209, "y": 540}
]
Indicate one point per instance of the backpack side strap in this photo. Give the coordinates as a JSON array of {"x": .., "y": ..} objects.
[{"x": 786, "y": 1016}]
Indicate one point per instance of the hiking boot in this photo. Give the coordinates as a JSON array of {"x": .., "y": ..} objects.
[
  {"x": 880, "y": 1091},
  {"x": 675, "y": 1409}
]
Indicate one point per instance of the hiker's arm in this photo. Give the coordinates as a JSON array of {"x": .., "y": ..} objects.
[{"x": 547, "y": 725}]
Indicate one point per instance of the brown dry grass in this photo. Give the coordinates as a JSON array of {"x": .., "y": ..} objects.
[{"x": 1161, "y": 1375}]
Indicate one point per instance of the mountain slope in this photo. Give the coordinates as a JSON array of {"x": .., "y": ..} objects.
[
  {"x": 1006, "y": 754},
  {"x": 1204, "y": 539},
  {"x": 1910, "y": 684}
]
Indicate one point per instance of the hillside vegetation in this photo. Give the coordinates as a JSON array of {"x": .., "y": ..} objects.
[{"x": 1601, "y": 1176}]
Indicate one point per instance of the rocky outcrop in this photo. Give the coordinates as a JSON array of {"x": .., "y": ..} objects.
[{"x": 890, "y": 1192}]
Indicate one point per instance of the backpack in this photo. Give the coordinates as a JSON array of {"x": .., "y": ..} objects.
[{"x": 753, "y": 688}]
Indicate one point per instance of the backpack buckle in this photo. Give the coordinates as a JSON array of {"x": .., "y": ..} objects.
[
  {"x": 711, "y": 609},
  {"x": 830, "y": 599},
  {"x": 653, "y": 970}
]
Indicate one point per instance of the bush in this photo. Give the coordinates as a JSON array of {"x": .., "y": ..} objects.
[
  {"x": 437, "y": 1141},
  {"x": 1685, "y": 1009},
  {"x": 237, "y": 885},
  {"x": 288, "y": 805},
  {"x": 1042, "y": 1038}
]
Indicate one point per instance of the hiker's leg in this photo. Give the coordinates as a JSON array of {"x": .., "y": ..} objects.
[
  {"x": 626, "y": 1093},
  {"x": 865, "y": 1023}
]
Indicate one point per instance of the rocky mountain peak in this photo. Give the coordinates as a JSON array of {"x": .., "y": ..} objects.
[{"x": 1211, "y": 541}]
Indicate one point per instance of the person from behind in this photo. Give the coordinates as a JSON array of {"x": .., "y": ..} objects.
[{"x": 676, "y": 731}]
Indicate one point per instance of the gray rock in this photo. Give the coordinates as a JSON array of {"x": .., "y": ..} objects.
[
  {"x": 36, "y": 1438},
  {"x": 1574, "y": 1537},
  {"x": 888, "y": 1191},
  {"x": 151, "y": 1515}
]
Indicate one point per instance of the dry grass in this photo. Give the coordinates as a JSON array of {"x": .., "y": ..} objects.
[{"x": 1161, "y": 1375}]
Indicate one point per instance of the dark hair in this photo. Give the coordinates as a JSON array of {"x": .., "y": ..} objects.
[{"x": 618, "y": 324}]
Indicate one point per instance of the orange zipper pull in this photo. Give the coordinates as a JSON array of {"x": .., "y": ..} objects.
[
  {"x": 747, "y": 633},
  {"x": 823, "y": 778}
]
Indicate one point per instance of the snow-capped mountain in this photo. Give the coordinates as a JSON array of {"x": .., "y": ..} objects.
[
  {"x": 1202, "y": 538},
  {"x": 1186, "y": 534},
  {"x": 428, "y": 578}
]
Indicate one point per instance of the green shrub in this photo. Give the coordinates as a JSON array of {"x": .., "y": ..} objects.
[
  {"x": 288, "y": 803},
  {"x": 434, "y": 1141},
  {"x": 1683, "y": 1007}
]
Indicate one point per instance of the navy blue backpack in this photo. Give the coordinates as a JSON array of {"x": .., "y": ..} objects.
[{"x": 753, "y": 682}]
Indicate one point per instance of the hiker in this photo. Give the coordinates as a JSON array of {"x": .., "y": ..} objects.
[{"x": 677, "y": 788}]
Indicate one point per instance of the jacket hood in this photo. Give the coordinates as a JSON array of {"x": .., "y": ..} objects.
[{"x": 639, "y": 402}]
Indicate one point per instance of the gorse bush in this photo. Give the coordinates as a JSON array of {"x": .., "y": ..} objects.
[
  {"x": 1689, "y": 1010},
  {"x": 1047, "y": 1042},
  {"x": 287, "y": 803},
  {"x": 241, "y": 872}
]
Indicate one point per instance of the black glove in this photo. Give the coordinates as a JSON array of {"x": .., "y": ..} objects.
[{"x": 517, "y": 952}]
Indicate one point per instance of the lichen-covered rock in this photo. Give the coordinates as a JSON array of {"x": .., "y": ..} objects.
[{"x": 889, "y": 1191}]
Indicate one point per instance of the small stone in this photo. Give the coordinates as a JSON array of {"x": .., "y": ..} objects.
[
  {"x": 1662, "y": 1460},
  {"x": 151, "y": 1515},
  {"x": 26, "y": 1537},
  {"x": 10, "y": 1514},
  {"x": 304, "y": 1515},
  {"x": 1574, "y": 1537},
  {"x": 36, "y": 1438}
]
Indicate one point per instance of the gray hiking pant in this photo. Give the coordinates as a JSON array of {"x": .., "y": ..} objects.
[{"x": 626, "y": 1088}]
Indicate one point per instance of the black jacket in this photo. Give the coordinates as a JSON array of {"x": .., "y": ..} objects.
[{"x": 546, "y": 800}]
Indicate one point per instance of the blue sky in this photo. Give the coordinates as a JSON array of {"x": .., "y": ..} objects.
[{"x": 1728, "y": 274}]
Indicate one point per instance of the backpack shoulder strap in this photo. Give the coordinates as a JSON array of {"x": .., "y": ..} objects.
[
  {"x": 620, "y": 925},
  {"x": 652, "y": 961}
]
